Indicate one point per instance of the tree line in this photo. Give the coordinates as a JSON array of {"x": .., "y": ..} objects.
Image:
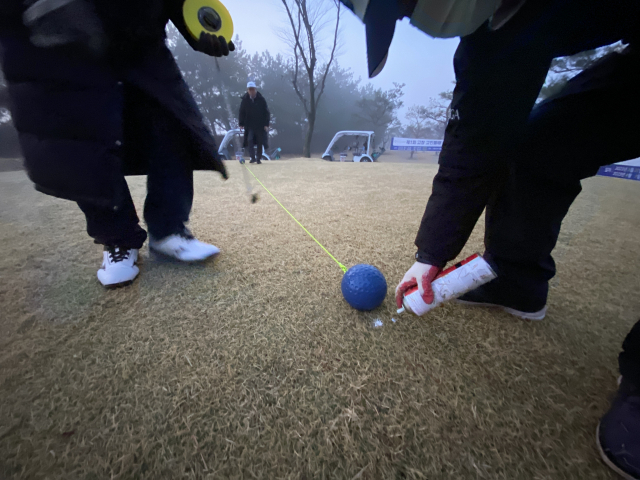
[
  {"x": 302, "y": 126},
  {"x": 346, "y": 104}
]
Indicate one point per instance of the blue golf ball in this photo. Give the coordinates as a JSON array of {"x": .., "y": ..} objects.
[{"x": 364, "y": 287}]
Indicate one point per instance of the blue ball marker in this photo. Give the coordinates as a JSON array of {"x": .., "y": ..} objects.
[{"x": 364, "y": 287}]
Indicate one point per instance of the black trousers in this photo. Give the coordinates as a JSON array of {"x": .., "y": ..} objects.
[
  {"x": 526, "y": 164},
  {"x": 166, "y": 210},
  {"x": 629, "y": 359},
  {"x": 592, "y": 122},
  {"x": 156, "y": 143},
  {"x": 532, "y": 160},
  {"x": 523, "y": 162},
  {"x": 256, "y": 139}
]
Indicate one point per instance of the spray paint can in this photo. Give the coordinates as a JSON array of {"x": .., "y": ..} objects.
[{"x": 451, "y": 283}]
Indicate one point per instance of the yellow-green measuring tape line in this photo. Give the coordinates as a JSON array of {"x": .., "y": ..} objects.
[{"x": 344, "y": 269}]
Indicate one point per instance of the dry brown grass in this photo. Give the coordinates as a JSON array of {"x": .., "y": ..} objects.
[
  {"x": 254, "y": 367},
  {"x": 401, "y": 156}
]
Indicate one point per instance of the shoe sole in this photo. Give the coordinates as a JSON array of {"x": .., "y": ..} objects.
[
  {"x": 175, "y": 259},
  {"x": 536, "y": 316},
  {"x": 608, "y": 461},
  {"x": 115, "y": 286},
  {"x": 126, "y": 283}
]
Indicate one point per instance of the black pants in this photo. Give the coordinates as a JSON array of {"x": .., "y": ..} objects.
[
  {"x": 158, "y": 144},
  {"x": 498, "y": 78},
  {"x": 546, "y": 151},
  {"x": 256, "y": 139},
  {"x": 629, "y": 359},
  {"x": 166, "y": 210},
  {"x": 592, "y": 122},
  {"x": 534, "y": 159}
]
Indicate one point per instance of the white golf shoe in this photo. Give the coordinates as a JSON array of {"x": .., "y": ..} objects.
[
  {"x": 184, "y": 247},
  {"x": 118, "y": 266}
]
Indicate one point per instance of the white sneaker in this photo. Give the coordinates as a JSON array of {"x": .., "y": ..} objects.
[
  {"x": 183, "y": 247},
  {"x": 118, "y": 266}
]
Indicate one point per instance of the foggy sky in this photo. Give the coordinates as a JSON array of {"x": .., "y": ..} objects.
[{"x": 424, "y": 64}]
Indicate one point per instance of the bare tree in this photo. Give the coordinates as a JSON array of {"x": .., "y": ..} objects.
[
  {"x": 308, "y": 19},
  {"x": 419, "y": 123},
  {"x": 429, "y": 120},
  {"x": 377, "y": 109}
]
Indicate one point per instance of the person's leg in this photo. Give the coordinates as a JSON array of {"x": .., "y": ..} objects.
[
  {"x": 259, "y": 140},
  {"x": 169, "y": 199},
  {"x": 120, "y": 233},
  {"x": 592, "y": 122},
  {"x": 170, "y": 187},
  {"x": 499, "y": 75},
  {"x": 170, "y": 176},
  {"x": 618, "y": 433},
  {"x": 629, "y": 358},
  {"x": 120, "y": 227},
  {"x": 251, "y": 145}
]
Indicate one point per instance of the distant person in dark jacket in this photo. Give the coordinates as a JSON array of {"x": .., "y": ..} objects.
[
  {"x": 254, "y": 118},
  {"x": 96, "y": 95}
]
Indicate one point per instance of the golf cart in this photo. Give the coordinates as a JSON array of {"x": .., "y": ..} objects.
[
  {"x": 231, "y": 136},
  {"x": 360, "y": 152}
]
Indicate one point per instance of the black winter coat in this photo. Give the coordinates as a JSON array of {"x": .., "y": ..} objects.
[
  {"x": 254, "y": 115},
  {"x": 69, "y": 108}
]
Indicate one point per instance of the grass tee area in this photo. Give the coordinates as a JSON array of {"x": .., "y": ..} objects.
[{"x": 254, "y": 366}]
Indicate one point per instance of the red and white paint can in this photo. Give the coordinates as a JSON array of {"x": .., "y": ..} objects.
[{"x": 451, "y": 283}]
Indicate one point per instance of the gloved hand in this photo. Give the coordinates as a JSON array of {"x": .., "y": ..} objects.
[
  {"x": 419, "y": 275},
  {"x": 214, "y": 45}
]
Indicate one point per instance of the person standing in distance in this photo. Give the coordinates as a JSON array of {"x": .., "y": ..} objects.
[{"x": 254, "y": 118}]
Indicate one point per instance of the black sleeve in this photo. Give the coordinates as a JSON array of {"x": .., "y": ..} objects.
[
  {"x": 174, "y": 11},
  {"x": 242, "y": 114},
  {"x": 498, "y": 78},
  {"x": 267, "y": 115}
]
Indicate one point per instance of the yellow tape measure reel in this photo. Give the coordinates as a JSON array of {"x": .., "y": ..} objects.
[{"x": 209, "y": 16}]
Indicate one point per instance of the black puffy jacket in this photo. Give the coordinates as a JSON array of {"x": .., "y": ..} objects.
[
  {"x": 69, "y": 107},
  {"x": 254, "y": 114}
]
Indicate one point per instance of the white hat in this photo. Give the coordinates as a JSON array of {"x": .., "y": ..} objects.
[{"x": 251, "y": 85}]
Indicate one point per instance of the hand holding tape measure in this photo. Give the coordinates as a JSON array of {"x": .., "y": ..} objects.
[{"x": 210, "y": 24}]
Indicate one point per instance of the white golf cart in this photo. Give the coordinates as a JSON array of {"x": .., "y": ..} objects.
[
  {"x": 236, "y": 135},
  {"x": 361, "y": 152}
]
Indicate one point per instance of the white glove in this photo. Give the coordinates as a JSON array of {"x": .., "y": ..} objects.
[{"x": 419, "y": 275}]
